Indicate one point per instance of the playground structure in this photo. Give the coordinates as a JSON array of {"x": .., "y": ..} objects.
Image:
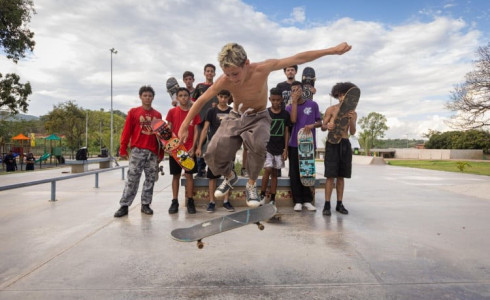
[{"x": 21, "y": 145}]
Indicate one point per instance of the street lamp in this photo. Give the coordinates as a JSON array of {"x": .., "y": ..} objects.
[{"x": 113, "y": 51}]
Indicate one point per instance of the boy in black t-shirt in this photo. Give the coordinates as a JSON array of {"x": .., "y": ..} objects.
[
  {"x": 212, "y": 121},
  {"x": 277, "y": 147}
]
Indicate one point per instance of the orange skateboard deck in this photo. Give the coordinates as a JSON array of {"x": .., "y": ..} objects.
[{"x": 171, "y": 144}]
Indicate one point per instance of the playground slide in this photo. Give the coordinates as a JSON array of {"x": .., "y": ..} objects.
[{"x": 44, "y": 157}]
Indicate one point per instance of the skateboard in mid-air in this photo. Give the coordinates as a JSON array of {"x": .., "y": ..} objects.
[
  {"x": 172, "y": 88},
  {"x": 341, "y": 121},
  {"x": 306, "y": 156},
  {"x": 308, "y": 80},
  {"x": 171, "y": 144},
  {"x": 224, "y": 223}
]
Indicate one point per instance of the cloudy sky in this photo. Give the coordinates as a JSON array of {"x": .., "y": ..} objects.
[{"x": 406, "y": 57}]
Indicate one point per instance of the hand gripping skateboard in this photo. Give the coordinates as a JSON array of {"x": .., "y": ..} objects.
[
  {"x": 341, "y": 121},
  {"x": 172, "y": 87},
  {"x": 171, "y": 144},
  {"x": 224, "y": 223},
  {"x": 308, "y": 80},
  {"x": 306, "y": 157}
]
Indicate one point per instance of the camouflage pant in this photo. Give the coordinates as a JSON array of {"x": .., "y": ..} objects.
[{"x": 140, "y": 160}]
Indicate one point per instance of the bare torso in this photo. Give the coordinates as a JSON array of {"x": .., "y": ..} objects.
[{"x": 251, "y": 92}]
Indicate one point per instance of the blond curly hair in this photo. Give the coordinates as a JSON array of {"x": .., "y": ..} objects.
[{"x": 232, "y": 55}]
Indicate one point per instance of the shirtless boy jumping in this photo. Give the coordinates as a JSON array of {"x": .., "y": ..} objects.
[{"x": 249, "y": 121}]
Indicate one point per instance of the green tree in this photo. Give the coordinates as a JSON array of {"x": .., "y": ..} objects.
[
  {"x": 373, "y": 127},
  {"x": 469, "y": 139},
  {"x": 67, "y": 119},
  {"x": 15, "y": 40},
  {"x": 471, "y": 99}
]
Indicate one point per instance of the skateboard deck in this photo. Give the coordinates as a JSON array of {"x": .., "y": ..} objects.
[
  {"x": 308, "y": 79},
  {"x": 224, "y": 223},
  {"x": 306, "y": 156},
  {"x": 341, "y": 121},
  {"x": 172, "y": 87},
  {"x": 171, "y": 144}
]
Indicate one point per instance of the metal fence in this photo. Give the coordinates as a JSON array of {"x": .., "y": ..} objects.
[{"x": 55, "y": 179}]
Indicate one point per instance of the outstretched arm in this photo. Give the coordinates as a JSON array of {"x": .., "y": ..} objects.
[{"x": 307, "y": 56}]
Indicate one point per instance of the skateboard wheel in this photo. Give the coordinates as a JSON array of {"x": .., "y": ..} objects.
[
  {"x": 261, "y": 227},
  {"x": 200, "y": 244}
]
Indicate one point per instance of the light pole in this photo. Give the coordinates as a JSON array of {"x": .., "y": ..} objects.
[{"x": 113, "y": 51}]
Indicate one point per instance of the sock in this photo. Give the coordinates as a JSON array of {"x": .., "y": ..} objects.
[
  {"x": 327, "y": 205},
  {"x": 339, "y": 203},
  {"x": 273, "y": 197},
  {"x": 262, "y": 193}
]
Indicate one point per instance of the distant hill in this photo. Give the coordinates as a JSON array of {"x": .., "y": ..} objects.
[{"x": 19, "y": 117}]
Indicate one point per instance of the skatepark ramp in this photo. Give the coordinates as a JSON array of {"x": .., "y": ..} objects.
[{"x": 367, "y": 160}]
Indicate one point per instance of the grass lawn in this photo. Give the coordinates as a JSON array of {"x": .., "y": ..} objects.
[{"x": 468, "y": 166}]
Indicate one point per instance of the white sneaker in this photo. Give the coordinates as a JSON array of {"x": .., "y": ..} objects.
[
  {"x": 309, "y": 206},
  {"x": 298, "y": 207}
]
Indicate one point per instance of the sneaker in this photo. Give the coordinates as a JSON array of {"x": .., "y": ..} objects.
[
  {"x": 174, "y": 208},
  {"x": 211, "y": 206},
  {"x": 309, "y": 206},
  {"x": 145, "y": 208},
  {"x": 326, "y": 211},
  {"x": 190, "y": 206},
  {"x": 273, "y": 202},
  {"x": 298, "y": 207},
  {"x": 225, "y": 186},
  {"x": 341, "y": 209},
  {"x": 227, "y": 205},
  {"x": 252, "y": 197},
  {"x": 122, "y": 211},
  {"x": 262, "y": 199}
]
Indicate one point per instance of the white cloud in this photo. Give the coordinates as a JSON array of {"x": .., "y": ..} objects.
[
  {"x": 298, "y": 15},
  {"x": 405, "y": 72}
]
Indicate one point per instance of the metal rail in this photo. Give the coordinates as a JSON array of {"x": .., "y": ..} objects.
[{"x": 55, "y": 179}]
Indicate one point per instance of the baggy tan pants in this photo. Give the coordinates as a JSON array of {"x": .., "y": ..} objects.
[{"x": 253, "y": 130}]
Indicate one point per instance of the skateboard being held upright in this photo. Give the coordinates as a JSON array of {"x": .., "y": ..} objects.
[
  {"x": 171, "y": 144},
  {"x": 306, "y": 157},
  {"x": 342, "y": 117}
]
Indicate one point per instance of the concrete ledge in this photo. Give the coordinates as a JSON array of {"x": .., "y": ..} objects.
[
  {"x": 80, "y": 166},
  {"x": 237, "y": 196}
]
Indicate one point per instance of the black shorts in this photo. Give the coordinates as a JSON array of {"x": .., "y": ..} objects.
[
  {"x": 176, "y": 169},
  {"x": 210, "y": 175},
  {"x": 338, "y": 159}
]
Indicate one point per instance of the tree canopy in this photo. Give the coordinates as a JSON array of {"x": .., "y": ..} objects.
[
  {"x": 15, "y": 40},
  {"x": 471, "y": 99},
  {"x": 373, "y": 127}
]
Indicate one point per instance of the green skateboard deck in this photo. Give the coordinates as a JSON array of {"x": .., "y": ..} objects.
[{"x": 306, "y": 156}]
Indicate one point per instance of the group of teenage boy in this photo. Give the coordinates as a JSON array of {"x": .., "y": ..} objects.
[{"x": 269, "y": 134}]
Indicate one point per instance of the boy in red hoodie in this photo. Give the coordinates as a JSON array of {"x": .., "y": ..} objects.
[{"x": 145, "y": 152}]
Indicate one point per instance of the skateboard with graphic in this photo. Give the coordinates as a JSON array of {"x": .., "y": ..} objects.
[
  {"x": 224, "y": 223},
  {"x": 172, "y": 87},
  {"x": 341, "y": 121},
  {"x": 306, "y": 157},
  {"x": 171, "y": 144},
  {"x": 308, "y": 80}
]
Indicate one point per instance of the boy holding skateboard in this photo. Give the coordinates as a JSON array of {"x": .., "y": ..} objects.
[
  {"x": 277, "y": 147},
  {"x": 211, "y": 125},
  {"x": 145, "y": 152},
  {"x": 305, "y": 115},
  {"x": 338, "y": 157},
  {"x": 249, "y": 121},
  {"x": 175, "y": 117}
]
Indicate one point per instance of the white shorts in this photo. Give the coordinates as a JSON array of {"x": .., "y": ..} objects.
[{"x": 273, "y": 161}]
